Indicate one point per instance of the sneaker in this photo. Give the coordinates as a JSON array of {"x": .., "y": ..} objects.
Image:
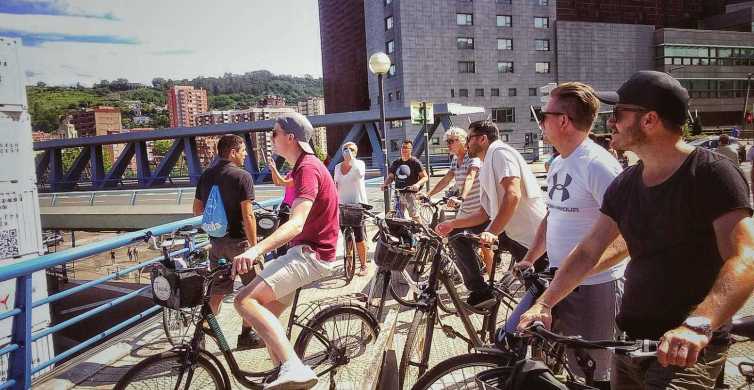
[
  {"x": 481, "y": 299},
  {"x": 293, "y": 375},
  {"x": 250, "y": 340}
]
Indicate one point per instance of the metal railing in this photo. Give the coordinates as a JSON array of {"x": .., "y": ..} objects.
[
  {"x": 128, "y": 197},
  {"x": 20, "y": 367}
]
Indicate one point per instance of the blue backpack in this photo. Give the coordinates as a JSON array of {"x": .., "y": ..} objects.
[{"x": 214, "y": 220}]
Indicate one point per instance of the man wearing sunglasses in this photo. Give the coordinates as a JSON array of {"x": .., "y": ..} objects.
[
  {"x": 576, "y": 182},
  {"x": 312, "y": 231},
  {"x": 512, "y": 202},
  {"x": 685, "y": 215}
]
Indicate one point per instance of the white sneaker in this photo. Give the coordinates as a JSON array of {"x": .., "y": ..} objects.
[{"x": 293, "y": 376}]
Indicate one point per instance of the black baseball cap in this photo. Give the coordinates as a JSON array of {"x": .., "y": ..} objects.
[{"x": 655, "y": 91}]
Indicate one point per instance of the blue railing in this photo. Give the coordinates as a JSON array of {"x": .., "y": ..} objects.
[{"x": 20, "y": 367}]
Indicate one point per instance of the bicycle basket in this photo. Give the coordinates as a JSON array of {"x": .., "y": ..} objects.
[
  {"x": 392, "y": 253},
  {"x": 351, "y": 215},
  {"x": 267, "y": 222},
  {"x": 174, "y": 289}
]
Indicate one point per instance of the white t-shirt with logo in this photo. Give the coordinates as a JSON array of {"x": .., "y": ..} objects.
[
  {"x": 575, "y": 188},
  {"x": 502, "y": 161},
  {"x": 351, "y": 188}
]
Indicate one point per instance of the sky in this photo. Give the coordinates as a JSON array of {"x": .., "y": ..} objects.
[{"x": 85, "y": 41}]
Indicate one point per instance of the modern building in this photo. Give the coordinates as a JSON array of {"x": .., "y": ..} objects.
[
  {"x": 315, "y": 106},
  {"x": 184, "y": 102},
  {"x": 96, "y": 121},
  {"x": 490, "y": 53},
  {"x": 660, "y": 14},
  {"x": 344, "y": 64},
  {"x": 261, "y": 141}
]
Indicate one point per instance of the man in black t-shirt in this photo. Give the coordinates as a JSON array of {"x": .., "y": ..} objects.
[
  {"x": 686, "y": 218},
  {"x": 236, "y": 187},
  {"x": 409, "y": 174}
]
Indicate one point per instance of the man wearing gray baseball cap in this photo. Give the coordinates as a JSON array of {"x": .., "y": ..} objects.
[
  {"x": 312, "y": 231},
  {"x": 686, "y": 217}
]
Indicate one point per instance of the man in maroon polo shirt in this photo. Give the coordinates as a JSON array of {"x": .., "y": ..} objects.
[{"x": 312, "y": 231}]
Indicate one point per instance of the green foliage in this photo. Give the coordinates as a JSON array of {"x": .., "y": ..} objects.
[
  {"x": 319, "y": 153},
  {"x": 161, "y": 147},
  {"x": 231, "y": 91}
]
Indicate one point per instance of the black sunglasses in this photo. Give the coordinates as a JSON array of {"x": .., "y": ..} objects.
[
  {"x": 615, "y": 114},
  {"x": 540, "y": 115}
]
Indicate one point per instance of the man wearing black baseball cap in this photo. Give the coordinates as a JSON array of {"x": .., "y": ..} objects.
[{"x": 686, "y": 218}]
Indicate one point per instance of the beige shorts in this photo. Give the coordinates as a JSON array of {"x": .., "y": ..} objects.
[{"x": 297, "y": 268}]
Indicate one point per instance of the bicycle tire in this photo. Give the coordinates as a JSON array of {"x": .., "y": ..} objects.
[
  {"x": 503, "y": 309},
  {"x": 345, "y": 349},
  {"x": 155, "y": 373},
  {"x": 349, "y": 256},
  {"x": 458, "y": 371},
  {"x": 178, "y": 325},
  {"x": 427, "y": 215},
  {"x": 418, "y": 341},
  {"x": 378, "y": 294}
]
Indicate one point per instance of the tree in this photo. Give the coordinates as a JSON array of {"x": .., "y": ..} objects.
[
  {"x": 322, "y": 156},
  {"x": 161, "y": 147}
]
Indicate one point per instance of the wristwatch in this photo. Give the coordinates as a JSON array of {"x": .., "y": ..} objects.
[{"x": 699, "y": 324}]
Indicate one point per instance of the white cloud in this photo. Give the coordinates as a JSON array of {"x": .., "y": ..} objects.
[{"x": 174, "y": 39}]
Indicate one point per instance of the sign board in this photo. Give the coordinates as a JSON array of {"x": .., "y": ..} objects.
[
  {"x": 545, "y": 92},
  {"x": 421, "y": 112}
]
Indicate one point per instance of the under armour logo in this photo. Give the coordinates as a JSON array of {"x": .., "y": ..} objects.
[{"x": 560, "y": 187}]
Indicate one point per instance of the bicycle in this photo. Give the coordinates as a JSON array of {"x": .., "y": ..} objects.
[
  {"x": 177, "y": 322},
  {"x": 432, "y": 212},
  {"x": 418, "y": 347},
  {"x": 498, "y": 378},
  {"x": 351, "y": 217},
  {"x": 742, "y": 331},
  {"x": 466, "y": 366},
  {"x": 398, "y": 211},
  {"x": 323, "y": 343}
]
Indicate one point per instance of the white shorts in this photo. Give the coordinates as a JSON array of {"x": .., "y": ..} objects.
[{"x": 297, "y": 268}]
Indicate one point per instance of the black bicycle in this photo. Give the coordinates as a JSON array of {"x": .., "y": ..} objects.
[
  {"x": 432, "y": 212},
  {"x": 334, "y": 334},
  {"x": 351, "y": 217},
  {"x": 419, "y": 347},
  {"x": 508, "y": 376}
]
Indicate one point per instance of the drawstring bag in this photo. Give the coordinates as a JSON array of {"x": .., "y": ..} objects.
[{"x": 214, "y": 220}]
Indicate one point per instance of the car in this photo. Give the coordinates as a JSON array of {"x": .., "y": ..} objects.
[{"x": 711, "y": 141}]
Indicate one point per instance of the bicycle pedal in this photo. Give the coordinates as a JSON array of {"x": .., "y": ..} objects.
[{"x": 449, "y": 332}]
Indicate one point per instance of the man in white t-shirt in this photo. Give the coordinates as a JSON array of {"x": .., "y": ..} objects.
[
  {"x": 512, "y": 202},
  {"x": 349, "y": 180},
  {"x": 576, "y": 182}
]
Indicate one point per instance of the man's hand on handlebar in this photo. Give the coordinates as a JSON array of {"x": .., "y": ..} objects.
[
  {"x": 444, "y": 228},
  {"x": 244, "y": 262},
  {"x": 522, "y": 266},
  {"x": 413, "y": 187},
  {"x": 537, "y": 313},
  {"x": 487, "y": 238},
  {"x": 454, "y": 202}
]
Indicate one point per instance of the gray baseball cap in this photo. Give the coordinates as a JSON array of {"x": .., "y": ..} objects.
[{"x": 297, "y": 124}]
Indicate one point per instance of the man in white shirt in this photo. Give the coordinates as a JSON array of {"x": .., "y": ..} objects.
[
  {"x": 576, "y": 182},
  {"x": 512, "y": 202},
  {"x": 349, "y": 180}
]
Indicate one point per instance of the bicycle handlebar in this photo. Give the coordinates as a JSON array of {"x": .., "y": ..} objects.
[{"x": 636, "y": 348}]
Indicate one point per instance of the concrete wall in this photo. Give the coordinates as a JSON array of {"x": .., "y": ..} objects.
[{"x": 603, "y": 55}]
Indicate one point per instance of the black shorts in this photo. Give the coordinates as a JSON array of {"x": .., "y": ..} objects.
[
  {"x": 227, "y": 248},
  {"x": 359, "y": 232}
]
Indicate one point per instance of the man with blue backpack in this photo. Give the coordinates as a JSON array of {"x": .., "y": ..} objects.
[{"x": 224, "y": 195}]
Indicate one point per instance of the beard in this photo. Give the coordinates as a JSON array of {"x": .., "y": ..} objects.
[{"x": 628, "y": 137}]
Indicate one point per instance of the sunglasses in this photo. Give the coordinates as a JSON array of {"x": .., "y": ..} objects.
[
  {"x": 540, "y": 115},
  {"x": 616, "y": 116},
  {"x": 451, "y": 141}
]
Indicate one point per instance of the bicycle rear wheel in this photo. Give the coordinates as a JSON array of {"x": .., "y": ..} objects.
[
  {"x": 349, "y": 256},
  {"x": 377, "y": 295},
  {"x": 170, "y": 371},
  {"x": 341, "y": 358}
]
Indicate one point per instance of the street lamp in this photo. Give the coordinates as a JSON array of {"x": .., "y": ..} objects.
[{"x": 379, "y": 64}]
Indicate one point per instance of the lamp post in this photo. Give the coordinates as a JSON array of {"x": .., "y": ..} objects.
[{"x": 379, "y": 64}]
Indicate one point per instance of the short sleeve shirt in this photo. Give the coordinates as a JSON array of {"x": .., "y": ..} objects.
[
  {"x": 671, "y": 239},
  {"x": 351, "y": 186},
  {"x": 472, "y": 202},
  {"x": 312, "y": 181},
  {"x": 406, "y": 172},
  {"x": 236, "y": 185}
]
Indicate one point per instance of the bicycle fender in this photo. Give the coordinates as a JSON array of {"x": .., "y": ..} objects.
[{"x": 219, "y": 367}]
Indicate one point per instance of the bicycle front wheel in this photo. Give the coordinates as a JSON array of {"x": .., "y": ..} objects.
[
  {"x": 170, "y": 371},
  {"x": 427, "y": 215},
  {"x": 458, "y": 372},
  {"x": 338, "y": 350},
  {"x": 416, "y": 351},
  {"x": 349, "y": 256},
  {"x": 178, "y": 325}
]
